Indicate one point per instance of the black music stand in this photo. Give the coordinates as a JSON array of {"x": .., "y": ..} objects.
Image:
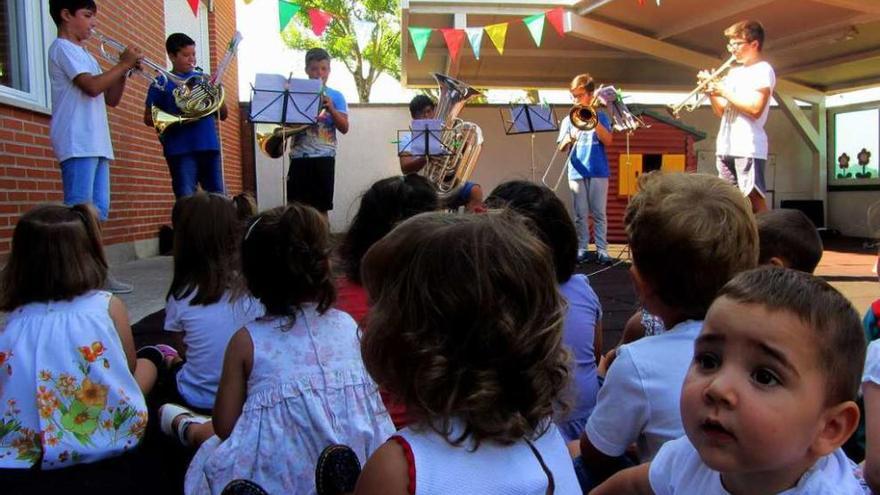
[
  {"x": 424, "y": 138},
  {"x": 284, "y": 101},
  {"x": 524, "y": 118}
]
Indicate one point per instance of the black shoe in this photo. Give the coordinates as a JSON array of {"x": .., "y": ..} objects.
[
  {"x": 337, "y": 470},
  {"x": 586, "y": 257},
  {"x": 243, "y": 487}
]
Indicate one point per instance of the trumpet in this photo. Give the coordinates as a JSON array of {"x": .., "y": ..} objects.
[
  {"x": 159, "y": 79},
  {"x": 695, "y": 98}
]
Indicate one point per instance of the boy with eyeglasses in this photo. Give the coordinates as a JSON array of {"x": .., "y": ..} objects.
[{"x": 742, "y": 100}]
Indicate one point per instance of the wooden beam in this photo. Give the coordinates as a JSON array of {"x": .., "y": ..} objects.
[
  {"x": 800, "y": 120},
  {"x": 710, "y": 15},
  {"x": 866, "y": 6},
  {"x": 829, "y": 62},
  {"x": 776, "y": 45},
  {"x": 616, "y": 37},
  {"x": 584, "y": 8}
]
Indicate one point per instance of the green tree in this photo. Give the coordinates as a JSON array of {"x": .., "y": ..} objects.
[{"x": 380, "y": 56}]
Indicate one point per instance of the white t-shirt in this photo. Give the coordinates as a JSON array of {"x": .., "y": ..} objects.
[
  {"x": 872, "y": 363},
  {"x": 678, "y": 469},
  {"x": 639, "y": 401},
  {"x": 79, "y": 122},
  {"x": 739, "y": 134},
  {"x": 207, "y": 330}
]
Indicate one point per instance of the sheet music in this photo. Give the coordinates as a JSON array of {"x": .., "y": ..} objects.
[
  {"x": 423, "y": 139},
  {"x": 268, "y": 103},
  {"x": 541, "y": 118}
]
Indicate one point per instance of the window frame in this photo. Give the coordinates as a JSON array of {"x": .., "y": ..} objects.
[
  {"x": 40, "y": 31},
  {"x": 835, "y": 184}
]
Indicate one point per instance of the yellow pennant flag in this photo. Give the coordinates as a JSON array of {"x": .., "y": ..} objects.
[{"x": 497, "y": 33}]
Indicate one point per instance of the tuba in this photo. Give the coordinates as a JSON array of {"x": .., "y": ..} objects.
[{"x": 462, "y": 139}]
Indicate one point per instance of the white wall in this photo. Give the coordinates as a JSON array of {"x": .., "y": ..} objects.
[
  {"x": 367, "y": 153},
  {"x": 180, "y": 19}
]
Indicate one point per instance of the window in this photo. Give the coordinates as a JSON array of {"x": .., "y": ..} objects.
[
  {"x": 854, "y": 147},
  {"x": 180, "y": 19},
  {"x": 23, "y": 44}
]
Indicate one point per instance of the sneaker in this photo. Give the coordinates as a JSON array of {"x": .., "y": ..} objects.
[
  {"x": 586, "y": 257},
  {"x": 169, "y": 412},
  {"x": 604, "y": 259},
  {"x": 337, "y": 470},
  {"x": 115, "y": 286}
]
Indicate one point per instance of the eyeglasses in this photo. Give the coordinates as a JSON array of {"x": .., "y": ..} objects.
[{"x": 735, "y": 44}]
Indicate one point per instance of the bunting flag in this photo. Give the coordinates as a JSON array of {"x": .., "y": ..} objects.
[
  {"x": 453, "y": 38},
  {"x": 555, "y": 18},
  {"x": 497, "y": 33},
  {"x": 194, "y": 5},
  {"x": 475, "y": 36},
  {"x": 248, "y": 2},
  {"x": 320, "y": 20},
  {"x": 363, "y": 31},
  {"x": 286, "y": 11},
  {"x": 420, "y": 37},
  {"x": 535, "y": 23}
]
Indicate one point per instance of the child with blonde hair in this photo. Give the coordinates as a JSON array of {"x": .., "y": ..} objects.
[
  {"x": 769, "y": 397},
  {"x": 689, "y": 234}
]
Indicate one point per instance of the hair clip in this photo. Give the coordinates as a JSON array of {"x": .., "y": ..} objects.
[{"x": 251, "y": 228}]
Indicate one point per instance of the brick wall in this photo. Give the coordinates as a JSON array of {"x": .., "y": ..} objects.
[{"x": 141, "y": 197}]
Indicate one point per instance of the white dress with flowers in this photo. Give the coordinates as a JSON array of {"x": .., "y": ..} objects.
[
  {"x": 308, "y": 389},
  {"x": 66, "y": 393}
]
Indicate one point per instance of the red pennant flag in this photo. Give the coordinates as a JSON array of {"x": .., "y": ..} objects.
[
  {"x": 555, "y": 18},
  {"x": 194, "y": 5},
  {"x": 453, "y": 38},
  {"x": 642, "y": 3},
  {"x": 320, "y": 20}
]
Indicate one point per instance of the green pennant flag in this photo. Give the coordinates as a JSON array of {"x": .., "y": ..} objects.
[
  {"x": 420, "y": 37},
  {"x": 535, "y": 23},
  {"x": 286, "y": 11}
]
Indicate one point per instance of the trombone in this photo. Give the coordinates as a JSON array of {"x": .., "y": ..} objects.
[
  {"x": 690, "y": 102},
  {"x": 162, "y": 75}
]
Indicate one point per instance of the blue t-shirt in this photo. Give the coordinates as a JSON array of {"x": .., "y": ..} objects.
[
  {"x": 589, "y": 152},
  {"x": 319, "y": 140},
  {"x": 199, "y": 135}
]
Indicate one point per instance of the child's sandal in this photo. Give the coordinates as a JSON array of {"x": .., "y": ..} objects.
[
  {"x": 169, "y": 412},
  {"x": 337, "y": 470}
]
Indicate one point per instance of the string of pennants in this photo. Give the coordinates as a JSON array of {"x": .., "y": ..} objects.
[{"x": 497, "y": 33}]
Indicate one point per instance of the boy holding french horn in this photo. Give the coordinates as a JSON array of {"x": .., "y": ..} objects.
[{"x": 742, "y": 100}]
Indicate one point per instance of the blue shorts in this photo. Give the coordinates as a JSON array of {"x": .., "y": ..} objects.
[{"x": 87, "y": 180}]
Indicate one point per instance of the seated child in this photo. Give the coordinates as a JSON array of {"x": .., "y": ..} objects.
[
  {"x": 786, "y": 238},
  {"x": 582, "y": 332},
  {"x": 293, "y": 381},
  {"x": 789, "y": 239},
  {"x": 479, "y": 366},
  {"x": 689, "y": 234},
  {"x": 72, "y": 409},
  {"x": 385, "y": 204},
  {"x": 206, "y": 304},
  {"x": 769, "y": 396}
]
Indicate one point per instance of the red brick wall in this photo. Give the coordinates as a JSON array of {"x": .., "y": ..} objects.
[
  {"x": 660, "y": 138},
  {"x": 141, "y": 197}
]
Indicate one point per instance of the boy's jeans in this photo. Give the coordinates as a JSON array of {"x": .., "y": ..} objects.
[
  {"x": 87, "y": 180},
  {"x": 590, "y": 195}
]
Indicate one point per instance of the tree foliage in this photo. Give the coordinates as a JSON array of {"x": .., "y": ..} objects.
[{"x": 380, "y": 56}]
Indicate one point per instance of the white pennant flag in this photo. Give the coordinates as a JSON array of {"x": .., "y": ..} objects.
[
  {"x": 475, "y": 36},
  {"x": 363, "y": 31}
]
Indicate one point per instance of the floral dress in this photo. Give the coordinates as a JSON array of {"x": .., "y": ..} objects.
[
  {"x": 308, "y": 389},
  {"x": 66, "y": 393}
]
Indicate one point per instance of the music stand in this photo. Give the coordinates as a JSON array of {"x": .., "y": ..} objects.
[
  {"x": 284, "y": 101},
  {"x": 529, "y": 119},
  {"x": 424, "y": 138}
]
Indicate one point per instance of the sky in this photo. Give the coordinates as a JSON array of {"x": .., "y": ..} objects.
[{"x": 263, "y": 51}]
